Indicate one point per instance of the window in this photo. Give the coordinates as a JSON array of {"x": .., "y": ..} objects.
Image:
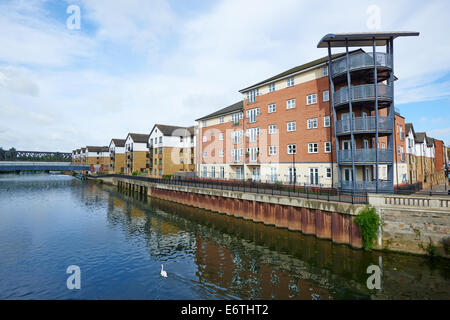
[
  {"x": 326, "y": 96},
  {"x": 236, "y": 117},
  {"x": 204, "y": 138},
  {"x": 291, "y": 126},
  {"x": 272, "y": 87},
  {"x": 236, "y": 154},
  {"x": 273, "y": 174},
  {"x": 272, "y": 108},
  {"x": 311, "y": 99},
  {"x": 272, "y": 150},
  {"x": 181, "y": 139},
  {"x": 160, "y": 150},
  {"x": 312, "y": 123},
  {"x": 221, "y": 136},
  {"x": 213, "y": 172},
  {"x": 383, "y": 146},
  {"x": 205, "y": 154},
  {"x": 325, "y": 71},
  {"x": 160, "y": 141},
  {"x": 221, "y": 120},
  {"x": 292, "y": 148},
  {"x": 290, "y": 82},
  {"x": 253, "y": 133},
  {"x": 251, "y": 95},
  {"x": 221, "y": 172},
  {"x": 327, "y": 147},
  {"x": 328, "y": 172},
  {"x": 236, "y": 136},
  {"x": 326, "y": 121},
  {"x": 314, "y": 176},
  {"x": 290, "y": 104},
  {"x": 221, "y": 153},
  {"x": 205, "y": 172},
  {"x": 272, "y": 129},
  {"x": 313, "y": 148},
  {"x": 251, "y": 114}
]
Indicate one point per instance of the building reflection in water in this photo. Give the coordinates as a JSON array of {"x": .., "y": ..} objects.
[{"x": 254, "y": 261}]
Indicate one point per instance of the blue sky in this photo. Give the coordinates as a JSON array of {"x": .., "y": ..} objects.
[{"x": 135, "y": 63}]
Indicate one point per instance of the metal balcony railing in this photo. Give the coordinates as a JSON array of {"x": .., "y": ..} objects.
[
  {"x": 368, "y": 186},
  {"x": 363, "y": 92},
  {"x": 365, "y": 124},
  {"x": 366, "y": 155},
  {"x": 361, "y": 61}
]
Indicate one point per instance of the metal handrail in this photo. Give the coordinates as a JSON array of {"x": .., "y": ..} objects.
[
  {"x": 363, "y": 92},
  {"x": 361, "y": 61},
  {"x": 366, "y": 155},
  {"x": 368, "y": 123}
]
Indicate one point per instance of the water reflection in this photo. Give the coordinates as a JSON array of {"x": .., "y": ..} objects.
[
  {"x": 119, "y": 239},
  {"x": 254, "y": 261}
]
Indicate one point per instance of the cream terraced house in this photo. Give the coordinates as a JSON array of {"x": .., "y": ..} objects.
[
  {"x": 136, "y": 153},
  {"x": 117, "y": 156},
  {"x": 171, "y": 150}
]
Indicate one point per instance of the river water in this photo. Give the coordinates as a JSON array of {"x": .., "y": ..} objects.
[{"x": 119, "y": 241}]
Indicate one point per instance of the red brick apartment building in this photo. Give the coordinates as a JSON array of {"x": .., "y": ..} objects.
[{"x": 313, "y": 124}]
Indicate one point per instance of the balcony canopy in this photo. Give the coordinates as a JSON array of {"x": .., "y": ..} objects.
[{"x": 362, "y": 39}]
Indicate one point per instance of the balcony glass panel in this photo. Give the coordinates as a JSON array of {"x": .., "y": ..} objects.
[
  {"x": 361, "y": 60},
  {"x": 363, "y": 92},
  {"x": 366, "y": 155},
  {"x": 365, "y": 124}
]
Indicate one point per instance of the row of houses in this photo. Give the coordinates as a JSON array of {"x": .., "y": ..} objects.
[
  {"x": 329, "y": 122},
  {"x": 164, "y": 151}
]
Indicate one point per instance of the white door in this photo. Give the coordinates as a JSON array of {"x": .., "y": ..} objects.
[
  {"x": 348, "y": 174},
  {"x": 314, "y": 176}
]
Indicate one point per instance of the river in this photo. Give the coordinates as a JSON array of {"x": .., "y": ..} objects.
[{"x": 119, "y": 241}]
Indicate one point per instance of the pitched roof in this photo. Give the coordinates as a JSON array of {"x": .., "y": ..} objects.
[
  {"x": 118, "y": 142},
  {"x": 430, "y": 142},
  {"x": 238, "y": 106},
  {"x": 97, "y": 148},
  {"x": 420, "y": 137},
  {"x": 138, "y": 137},
  {"x": 169, "y": 130},
  {"x": 408, "y": 127},
  {"x": 300, "y": 68}
]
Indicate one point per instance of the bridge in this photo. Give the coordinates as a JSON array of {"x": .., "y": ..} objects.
[
  {"x": 15, "y": 155},
  {"x": 41, "y": 166}
]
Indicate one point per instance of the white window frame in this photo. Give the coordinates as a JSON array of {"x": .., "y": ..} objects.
[
  {"x": 205, "y": 138},
  {"x": 290, "y": 81},
  {"x": 272, "y": 128},
  {"x": 326, "y": 96},
  {"x": 290, "y": 104},
  {"x": 327, "y": 144},
  {"x": 291, "y": 126},
  {"x": 313, "y": 147},
  {"x": 292, "y": 148},
  {"x": 273, "y": 106},
  {"x": 221, "y": 136},
  {"x": 272, "y": 150},
  {"x": 312, "y": 123},
  {"x": 325, "y": 71},
  {"x": 272, "y": 87},
  {"x": 327, "y": 121},
  {"x": 311, "y": 99},
  {"x": 221, "y": 119}
]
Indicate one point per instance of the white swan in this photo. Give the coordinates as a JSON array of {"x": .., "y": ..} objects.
[{"x": 163, "y": 273}]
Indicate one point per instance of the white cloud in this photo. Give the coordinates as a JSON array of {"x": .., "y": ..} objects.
[{"x": 65, "y": 85}]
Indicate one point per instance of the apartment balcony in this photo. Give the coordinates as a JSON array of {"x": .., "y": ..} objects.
[
  {"x": 369, "y": 186},
  {"x": 362, "y": 61},
  {"x": 362, "y": 93},
  {"x": 365, "y": 156},
  {"x": 365, "y": 125}
]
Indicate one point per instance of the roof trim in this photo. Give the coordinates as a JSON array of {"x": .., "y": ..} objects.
[
  {"x": 298, "y": 69},
  {"x": 362, "y": 39}
]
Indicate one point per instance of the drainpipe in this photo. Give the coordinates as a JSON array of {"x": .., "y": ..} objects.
[{"x": 331, "y": 106}]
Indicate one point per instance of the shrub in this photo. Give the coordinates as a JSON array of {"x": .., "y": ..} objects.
[
  {"x": 368, "y": 222},
  {"x": 135, "y": 173}
]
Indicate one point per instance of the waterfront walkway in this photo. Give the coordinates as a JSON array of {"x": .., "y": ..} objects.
[{"x": 308, "y": 192}]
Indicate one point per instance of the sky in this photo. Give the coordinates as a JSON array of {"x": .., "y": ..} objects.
[{"x": 132, "y": 63}]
